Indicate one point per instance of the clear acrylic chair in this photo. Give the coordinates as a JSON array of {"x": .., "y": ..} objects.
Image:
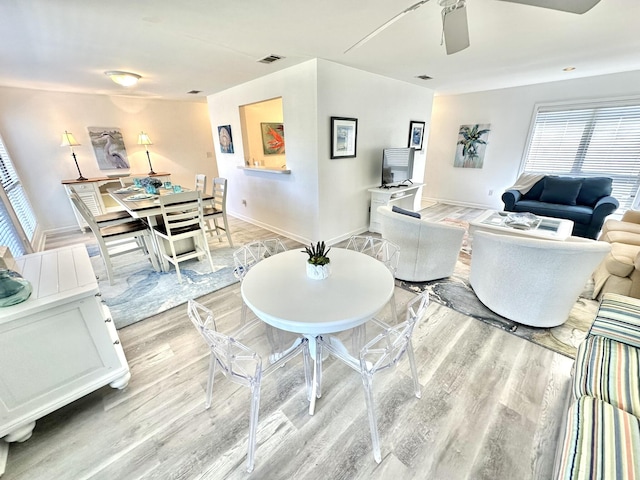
[
  {"x": 246, "y": 356},
  {"x": 248, "y": 255},
  {"x": 385, "y": 251},
  {"x": 380, "y": 349}
]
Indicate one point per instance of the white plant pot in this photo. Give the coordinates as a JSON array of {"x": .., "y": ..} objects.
[{"x": 318, "y": 272}]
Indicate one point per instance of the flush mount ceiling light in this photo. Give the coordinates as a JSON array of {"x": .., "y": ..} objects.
[
  {"x": 126, "y": 79},
  {"x": 568, "y": 69}
]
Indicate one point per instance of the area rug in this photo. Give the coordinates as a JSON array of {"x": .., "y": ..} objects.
[
  {"x": 456, "y": 293},
  {"x": 139, "y": 291}
]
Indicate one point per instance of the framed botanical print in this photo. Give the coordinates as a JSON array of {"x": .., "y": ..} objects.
[{"x": 416, "y": 134}]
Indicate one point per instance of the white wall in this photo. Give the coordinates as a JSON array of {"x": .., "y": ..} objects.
[
  {"x": 322, "y": 199},
  {"x": 287, "y": 204},
  {"x": 509, "y": 111},
  {"x": 384, "y": 108},
  {"x": 32, "y": 123}
]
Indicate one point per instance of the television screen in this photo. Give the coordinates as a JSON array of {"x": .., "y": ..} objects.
[{"x": 397, "y": 166}]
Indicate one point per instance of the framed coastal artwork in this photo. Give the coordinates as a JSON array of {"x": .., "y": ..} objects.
[
  {"x": 471, "y": 146},
  {"x": 416, "y": 134},
  {"x": 108, "y": 147},
  {"x": 272, "y": 138},
  {"x": 344, "y": 137},
  {"x": 226, "y": 140}
]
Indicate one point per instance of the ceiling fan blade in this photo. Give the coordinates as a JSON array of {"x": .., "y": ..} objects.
[
  {"x": 389, "y": 22},
  {"x": 571, "y": 6},
  {"x": 455, "y": 29}
]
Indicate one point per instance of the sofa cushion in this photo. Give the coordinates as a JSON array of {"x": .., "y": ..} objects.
[
  {"x": 402, "y": 211},
  {"x": 608, "y": 370},
  {"x": 561, "y": 190},
  {"x": 576, "y": 213},
  {"x": 593, "y": 189},
  {"x": 620, "y": 236},
  {"x": 535, "y": 191},
  {"x": 601, "y": 441},
  {"x": 618, "y": 318},
  {"x": 621, "y": 259}
]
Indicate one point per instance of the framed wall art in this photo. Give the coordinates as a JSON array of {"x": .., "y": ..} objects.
[
  {"x": 472, "y": 142},
  {"x": 416, "y": 134},
  {"x": 272, "y": 138},
  {"x": 344, "y": 136},
  {"x": 108, "y": 146},
  {"x": 226, "y": 140}
]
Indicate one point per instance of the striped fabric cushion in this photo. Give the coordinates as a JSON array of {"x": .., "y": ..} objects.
[
  {"x": 601, "y": 442},
  {"x": 610, "y": 371},
  {"x": 618, "y": 318}
]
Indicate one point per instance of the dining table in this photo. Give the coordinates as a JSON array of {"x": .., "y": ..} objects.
[
  {"x": 279, "y": 292},
  {"x": 146, "y": 206}
]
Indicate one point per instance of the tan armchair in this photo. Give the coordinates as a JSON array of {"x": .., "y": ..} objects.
[{"x": 619, "y": 272}]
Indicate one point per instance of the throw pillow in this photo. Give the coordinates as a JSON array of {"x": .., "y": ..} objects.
[
  {"x": 593, "y": 189},
  {"x": 561, "y": 190},
  {"x": 405, "y": 212}
]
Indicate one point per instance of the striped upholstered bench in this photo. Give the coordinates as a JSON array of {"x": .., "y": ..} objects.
[{"x": 602, "y": 435}]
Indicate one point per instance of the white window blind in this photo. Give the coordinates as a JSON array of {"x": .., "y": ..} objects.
[
  {"x": 17, "y": 221},
  {"x": 602, "y": 140}
]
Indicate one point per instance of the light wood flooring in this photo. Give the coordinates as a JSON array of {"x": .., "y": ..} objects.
[{"x": 491, "y": 408}]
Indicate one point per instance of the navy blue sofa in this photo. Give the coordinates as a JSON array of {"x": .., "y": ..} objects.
[{"x": 585, "y": 200}]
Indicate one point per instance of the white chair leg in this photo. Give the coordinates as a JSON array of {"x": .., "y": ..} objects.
[
  {"x": 226, "y": 229},
  {"x": 414, "y": 370},
  {"x": 210, "y": 378},
  {"x": 373, "y": 423}
]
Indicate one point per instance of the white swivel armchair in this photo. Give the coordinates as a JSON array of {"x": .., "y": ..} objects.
[
  {"x": 429, "y": 250},
  {"x": 532, "y": 281}
]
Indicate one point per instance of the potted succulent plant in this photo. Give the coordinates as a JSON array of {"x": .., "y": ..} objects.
[{"x": 318, "y": 262}]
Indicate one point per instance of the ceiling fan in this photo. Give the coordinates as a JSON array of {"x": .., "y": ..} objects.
[{"x": 455, "y": 31}]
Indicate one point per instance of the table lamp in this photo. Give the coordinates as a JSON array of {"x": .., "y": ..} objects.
[
  {"x": 69, "y": 141},
  {"x": 143, "y": 139}
]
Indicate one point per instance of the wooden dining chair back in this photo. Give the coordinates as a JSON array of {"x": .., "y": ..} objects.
[
  {"x": 181, "y": 236},
  {"x": 245, "y": 357},
  {"x": 383, "y": 347},
  {"x": 217, "y": 209},
  {"x": 117, "y": 238},
  {"x": 381, "y": 249},
  {"x": 249, "y": 255},
  {"x": 201, "y": 182}
]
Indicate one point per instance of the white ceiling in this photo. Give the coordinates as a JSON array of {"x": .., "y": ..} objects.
[{"x": 211, "y": 45}]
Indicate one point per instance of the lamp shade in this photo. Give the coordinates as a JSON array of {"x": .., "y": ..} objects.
[
  {"x": 68, "y": 140},
  {"x": 126, "y": 79},
  {"x": 143, "y": 139}
]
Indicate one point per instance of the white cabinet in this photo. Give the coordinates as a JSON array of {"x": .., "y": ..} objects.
[
  {"x": 93, "y": 192},
  {"x": 58, "y": 345},
  {"x": 403, "y": 197}
]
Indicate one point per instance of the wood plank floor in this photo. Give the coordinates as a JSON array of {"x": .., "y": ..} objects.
[{"x": 491, "y": 408}]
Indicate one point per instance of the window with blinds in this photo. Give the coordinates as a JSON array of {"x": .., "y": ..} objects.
[
  {"x": 589, "y": 140},
  {"x": 17, "y": 221}
]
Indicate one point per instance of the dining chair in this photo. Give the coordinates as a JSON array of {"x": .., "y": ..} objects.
[
  {"x": 182, "y": 225},
  {"x": 246, "y": 356},
  {"x": 248, "y": 255},
  {"x": 119, "y": 238},
  {"x": 382, "y": 348},
  {"x": 381, "y": 249},
  {"x": 216, "y": 209},
  {"x": 201, "y": 182}
]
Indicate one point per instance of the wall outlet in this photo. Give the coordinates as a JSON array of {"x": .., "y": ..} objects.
[
  {"x": 490, "y": 192},
  {"x": 244, "y": 202}
]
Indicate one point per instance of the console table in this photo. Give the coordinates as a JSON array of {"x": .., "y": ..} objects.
[
  {"x": 403, "y": 197},
  {"x": 93, "y": 192},
  {"x": 58, "y": 345}
]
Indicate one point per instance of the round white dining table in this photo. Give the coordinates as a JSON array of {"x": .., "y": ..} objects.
[{"x": 279, "y": 292}]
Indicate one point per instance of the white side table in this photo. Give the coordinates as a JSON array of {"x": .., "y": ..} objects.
[{"x": 58, "y": 345}]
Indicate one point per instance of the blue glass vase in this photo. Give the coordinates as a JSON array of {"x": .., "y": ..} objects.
[{"x": 13, "y": 288}]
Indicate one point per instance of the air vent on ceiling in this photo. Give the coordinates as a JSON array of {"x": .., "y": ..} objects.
[
  {"x": 270, "y": 59},
  {"x": 194, "y": 92},
  {"x": 424, "y": 77}
]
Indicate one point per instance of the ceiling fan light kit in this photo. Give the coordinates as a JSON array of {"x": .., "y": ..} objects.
[{"x": 455, "y": 29}]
